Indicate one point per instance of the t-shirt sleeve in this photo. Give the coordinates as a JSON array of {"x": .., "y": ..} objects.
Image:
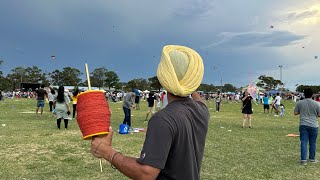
[
  {"x": 157, "y": 144},
  {"x": 318, "y": 109},
  {"x": 296, "y": 109}
]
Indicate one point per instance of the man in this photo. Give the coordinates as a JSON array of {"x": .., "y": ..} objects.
[
  {"x": 41, "y": 94},
  {"x": 150, "y": 100},
  {"x": 309, "y": 111},
  {"x": 175, "y": 139},
  {"x": 266, "y": 103},
  {"x": 277, "y": 103},
  {"x": 127, "y": 104},
  {"x": 218, "y": 101},
  {"x": 137, "y": 97}
]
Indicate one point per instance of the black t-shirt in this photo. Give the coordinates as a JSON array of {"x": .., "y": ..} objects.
[
  {"x": 175, "y": 140},
  {"x": 41, "y": 93},
  {"x": 247, "y": 103},
  {"x": 151, "y": 101}
]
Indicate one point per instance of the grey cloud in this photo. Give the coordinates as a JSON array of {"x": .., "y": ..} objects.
[
  {"x": 294, "y": 16},
  {"x": 194, "y": 8},
  {"x": 255, "y": 39}
]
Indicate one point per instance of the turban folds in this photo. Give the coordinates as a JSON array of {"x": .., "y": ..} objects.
[{"x": 180, "y": 70}]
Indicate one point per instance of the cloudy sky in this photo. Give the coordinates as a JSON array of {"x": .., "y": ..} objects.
[{"x": 234, "y": 38}]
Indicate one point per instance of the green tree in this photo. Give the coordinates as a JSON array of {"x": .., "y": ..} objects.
[
  {"x": 34, "y": 75},
  {"x": 207, "y": 88},
  {"x": 6, "y": 83},
  {"x": 112, "y": 79},
  {"x": 229, "y": 88},
  {"x": 140, "y": 82},
  {"x": 17, "y": 74},
  {"x": 56, "y": 77},
  {"x": 268, "y": 82},
  {"x": 155, "y": 83},
  {"x": 70, "y": 76},
  {"x": 300, "y": 88},
  {"x": 98, "y": 76}
]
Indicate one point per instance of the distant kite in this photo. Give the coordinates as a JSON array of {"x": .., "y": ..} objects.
[
  {"x": 53, "y": 57},
  {"x": 316, "y": 57},
  {"x": 303, "y": 47},
  {"x": 271, "y": 26}
]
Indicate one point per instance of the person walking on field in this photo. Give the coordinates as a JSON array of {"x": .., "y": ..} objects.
[
  {"x": 277, "y": 103},
  {"x": 151, "y": 100},
  {"x": 246, "y": 108},
  {"x": 41, "y": 95},
  {"x": 74, "y": 102},
  {"x": 218, "y": 102},
  {"x": 127, "y": 105},
  {"x": 51, "y": 99},
  {"x": 62, "y": 109},
  {"x": 266, "y": 103},
  {"x": 137, "y": 97},
  {"x": 309, "y": 111},
  {"x": 176, "y": 135}
]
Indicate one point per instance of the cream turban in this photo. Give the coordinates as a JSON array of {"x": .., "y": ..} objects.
[{"x": 180, "y": 70}]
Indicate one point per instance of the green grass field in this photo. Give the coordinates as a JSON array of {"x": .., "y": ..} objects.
[{"x": 33, "y": 148}]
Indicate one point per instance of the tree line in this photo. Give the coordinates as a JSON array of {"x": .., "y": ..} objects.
[
  {"x": 104, "y": 78},
  {"x": 99, "y": 77}
]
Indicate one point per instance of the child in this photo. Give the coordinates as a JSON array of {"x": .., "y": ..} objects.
[{"x": 281, "y": 110}]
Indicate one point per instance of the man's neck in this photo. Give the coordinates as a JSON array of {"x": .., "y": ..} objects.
[{"x": 172, "y": 97}]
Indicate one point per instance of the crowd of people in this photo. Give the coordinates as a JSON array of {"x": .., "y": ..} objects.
[{"x": 177, "y": 133}]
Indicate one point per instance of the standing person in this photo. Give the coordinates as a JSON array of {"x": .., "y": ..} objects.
[
  {"x": 137, "y": 97},
  {"x": 51, "y": 99},
  {"x": 309, "y": 111},
  {"x": 265, "y": 103},
  {"x": 246, "y": 108},
  {"x": 237, "y": 97},
  {"x": 273, "y": 106},
  {"x": 164, "y": 99},
  {"x": 127, "y": 105},
  {"x": 218, "y": 101},
  {"x": 62, "y": 109},
  {"x": 277, "y": 103},
  {"x": 150, "y": 100},
  {"x": 176, "y": 135},
  {"x": 158, "y": 102},
  {"x": 74, "y": 102},
  {"x": 41, "y": 95}
]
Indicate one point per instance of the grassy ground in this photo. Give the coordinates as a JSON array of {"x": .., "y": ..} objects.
[{"x": 32, "y": 148}]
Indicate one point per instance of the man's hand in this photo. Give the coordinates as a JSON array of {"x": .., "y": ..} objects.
[{"x": 101, "y": 144}]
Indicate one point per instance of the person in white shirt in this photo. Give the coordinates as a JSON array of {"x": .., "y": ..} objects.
[
  {"x": 277, "y": 103},
  {"x": 164, "y": 99},
  {"x": 51, "y": 99}
]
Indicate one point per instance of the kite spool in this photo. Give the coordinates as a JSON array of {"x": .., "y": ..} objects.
[{"x": 93, "y": 114}]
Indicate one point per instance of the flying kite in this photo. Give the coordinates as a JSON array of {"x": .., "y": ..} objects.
[
  {"x": 271, "y": 26},
  {"x": 53, "y": 57},
  {"x": 316, "y": 57}
]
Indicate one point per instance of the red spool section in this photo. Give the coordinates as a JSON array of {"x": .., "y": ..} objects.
[{"x": 93, "y": 114}]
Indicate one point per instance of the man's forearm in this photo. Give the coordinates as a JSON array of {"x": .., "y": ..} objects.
[{"x": 128, "y": 165}]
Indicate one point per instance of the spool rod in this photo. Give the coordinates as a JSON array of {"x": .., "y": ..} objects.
[{"x": 89, "y": 88}]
